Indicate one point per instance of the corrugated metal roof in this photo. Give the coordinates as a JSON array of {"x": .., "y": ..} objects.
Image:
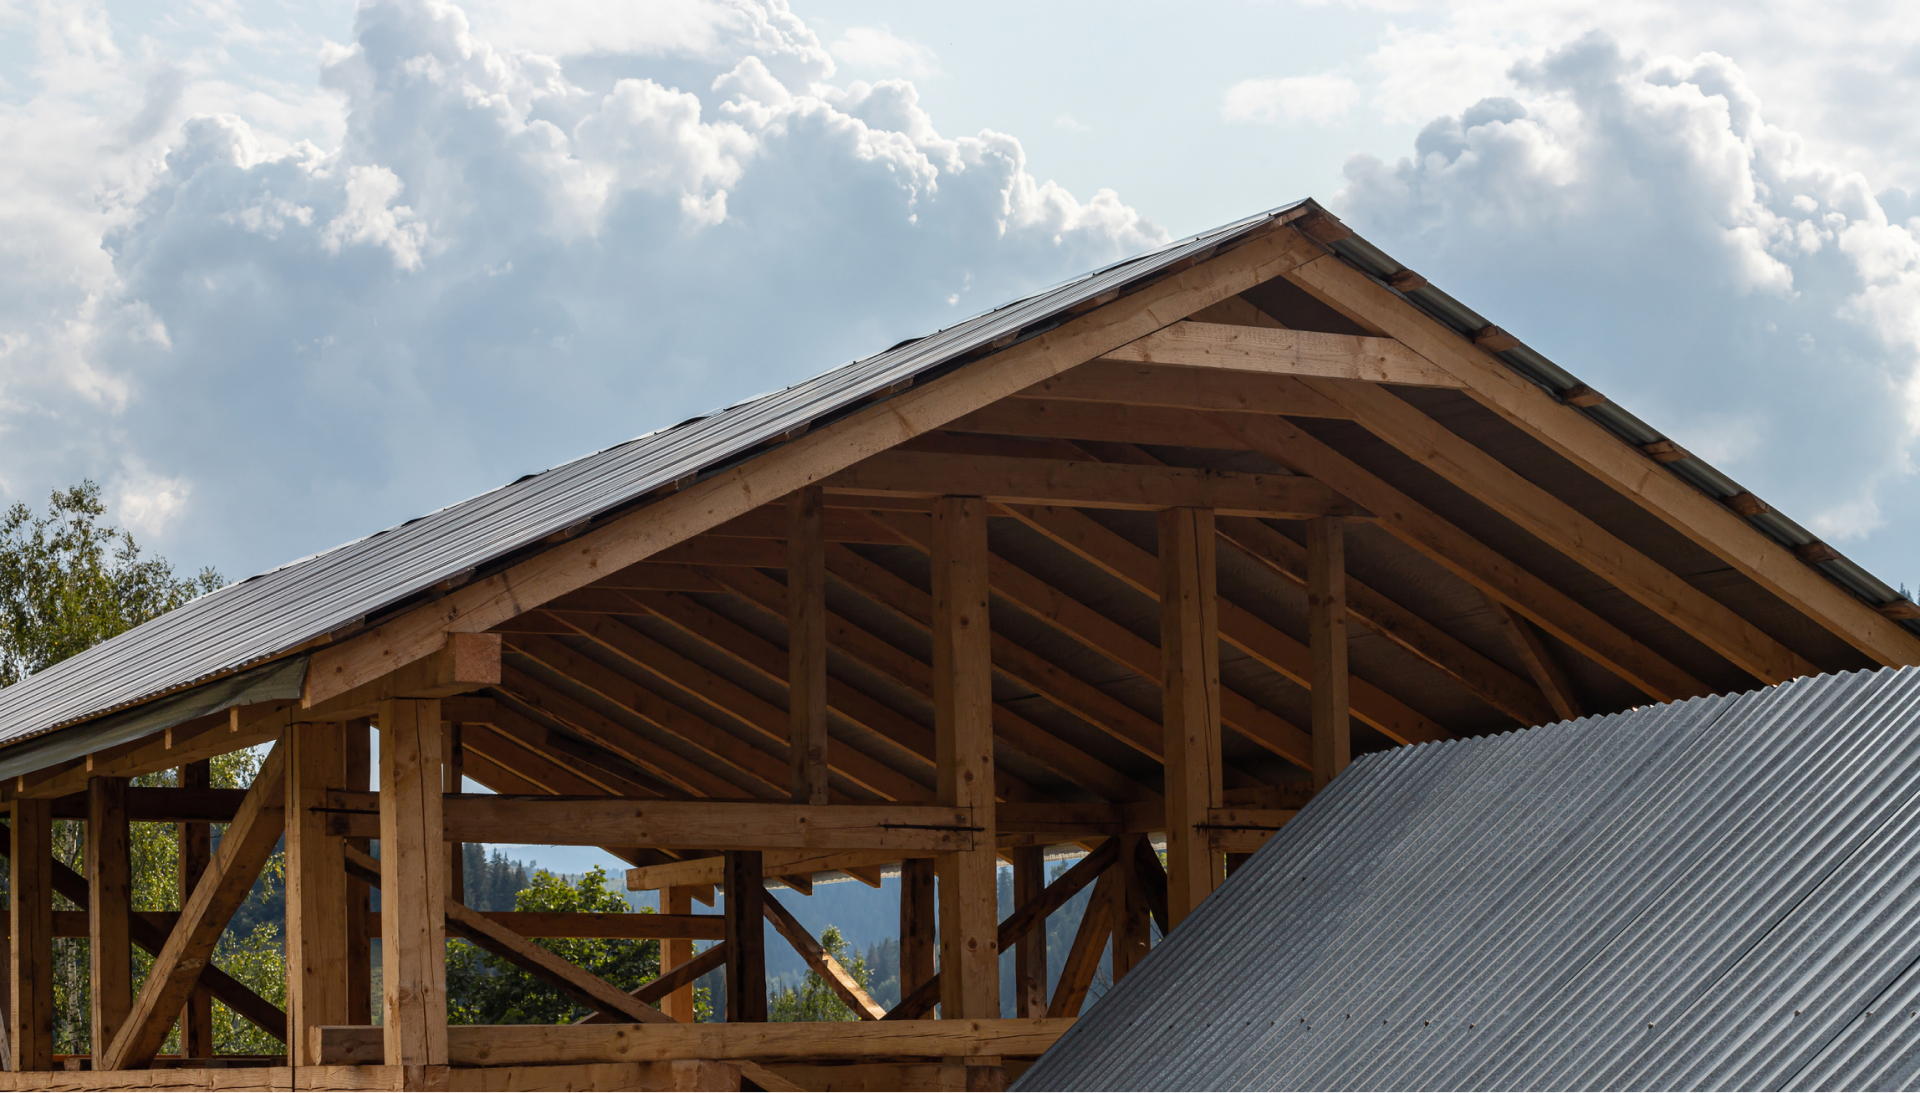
[{"x": 1717, "y": 893}]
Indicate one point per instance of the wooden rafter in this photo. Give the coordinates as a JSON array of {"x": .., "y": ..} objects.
[
  {"x": 1287, "y": 352},
  {"x": 610, "y": 735}
]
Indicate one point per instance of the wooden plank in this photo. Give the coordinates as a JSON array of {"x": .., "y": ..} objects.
[
  {"x": 590, "y": 924},
  {"x": 1130, "y": 914},
  {"x": 109, "y": 871},
  {"x": 195, "y": 848},
  {"x": 1005, "y": 480},
  {"x": 30, "y": 921},
  {"x": 1030, "y": 947},
  {"x": 453, "y": 766},
  {"x": 824, "y": 964},
  {"x": 1540, "y": 661},
  {"x": 584, "y": 987},
  {"x": 519, "y": 1045},
  {"x": 1573, "y": 533},
  {"x": 1151, "y": 876},
  {"x": 807, "y": 740},
  {"x": 963, "y": 734},
  {"x": 677, "y": 902},
  {"x": 1122, "y": 384},
  {"x": 250, "y": 725},
  {"x": 1190, "y": 709},
  {"x": 1083, "y": 958},
  {"x": 244, "y": 847},
  {"x": 707, "y": 871},
  {"x": 733, "y": 492},
  {"x": 1285, "y": 352},
  {"x": 709, "y": 825},
  {"x": 772, "y": 522},
  {"x": 1327, "y": 631},
  {"x": 413, "y": 841},
  {"x": 317, "y": 906},
  {"x": 1591, "y": 447},
  {"x": 746, "y": 978},
  {"x": 919, "y": 939},
  {"x": 677, "y": 980}
]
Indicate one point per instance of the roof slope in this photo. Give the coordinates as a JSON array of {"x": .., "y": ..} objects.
[{"x": 1716, "y": 893}]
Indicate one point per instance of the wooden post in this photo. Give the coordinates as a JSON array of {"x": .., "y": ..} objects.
[
  {"x": 746, "y": 937},
  {"x": 110, "y": 903},
  {"x": 413, "y": 897},
  {"x": 1030, "y": 949},
  {"x": 316, "y": 931},
  {"x": 1327, "y": 633},
  {"x": 963, "y": 751},
  {"x": 917, "y": 936},
  {"x": 678, "y": 1004},
  {"x": 455, "y": 752},
  {"x": 30, "y": 874},
  {"x": 196, "y": 850},
  {"x": 357, "y": 761},
  {"x": 1190, "y": 705},
  {"x": 1132, "y": 918},
  {"x": 807, "y": 644}
]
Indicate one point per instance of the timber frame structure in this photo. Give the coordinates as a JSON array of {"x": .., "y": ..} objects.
[{"x": 1151, "y": 554}]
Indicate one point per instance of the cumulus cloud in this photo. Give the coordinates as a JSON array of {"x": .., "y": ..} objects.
[
  {"x": 1640, "y": 219},
  {"x": 879, "y": 49},
  {"x": 505, "y": 257},
  {"x": 1319, "y": 99}
]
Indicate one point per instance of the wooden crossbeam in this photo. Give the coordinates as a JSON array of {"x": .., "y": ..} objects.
[
  {"x": 244, "y": 848},
  {"x": 1119, "y": 385},
  {"x": 163, "y": 804},
  {"x": 779, "y": 863},
  {"x": 824, "y": 964},
  {"x": 1083, "y": 958},
  {"x": 1285, "y": 352},
  {"x": 1006, "y": 480},
  {"x": 677, "y": 978},
  {"x": 1540, "y": 661}
]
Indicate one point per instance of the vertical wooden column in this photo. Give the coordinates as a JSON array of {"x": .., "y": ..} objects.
[
  {"x": 1030, "y": 949},
  {"x": 746, "y": 936},
  {"x": 1132, "y": 919},
  {"x": 195, "y": 851},
  {"x": 110, "y": 903},
  {"x": 917, "y": 936},
  {"x": 807, "y": 643},
  {"x": 316, "y": 937},
  {"x": 1190, "y": 706},
  {"x": 1327, "y": 631},
  {"x": 454, "y": 751},
  {"x": 30, "y": 915},
  {"x": 413, "y": 893},
  {"x": 357, "y": 761},
  {"x": 677, "y": 900},
  {"x": 963, "y": 751}
]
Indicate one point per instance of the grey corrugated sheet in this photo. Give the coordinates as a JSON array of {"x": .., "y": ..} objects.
[
  {"x": 279, "y": 610},
  {"x": 1720, "y": 893}
]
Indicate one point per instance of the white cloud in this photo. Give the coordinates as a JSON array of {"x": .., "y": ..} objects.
[
  {"x": 880, "y": 50},
  {"x": 1319, "y": 99},
  {"x": 146, "y": 503}
]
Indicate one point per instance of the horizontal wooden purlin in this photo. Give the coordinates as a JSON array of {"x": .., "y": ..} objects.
[
  {"x": 774, "y": 863},
  {"x": 693, "y": 825},
  {"x": 466, "y": 662},
  {"x": 1089, "y": 485},
  {"x": 521, "y": 1045},
  {"x": 161, "y": 804},
  {"x": 1128, "y": 383},
  {"x": 1285, "y": 352}
]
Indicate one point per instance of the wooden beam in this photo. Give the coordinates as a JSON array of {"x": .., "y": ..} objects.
[
  {"x": 707, "y": 871},
  {"x": 244, "y": 847},
  {"x": 521, "y": 1045},
  {"x": 1327, "y": 629},
  {"x": 1005, "y": 480},
  {"x": 584, "y": 987},
  {"x": 919, "y": 940},
  {"x": 413, "y": 842},
  {"x": 963, "y": 734},
  {"x": 718, "y": 498},
  {"x": 453, "y": 765},
  {"x": 677, "y": 902},
  {"x": 1130, "y": 914},
  {"x": 824, "y": 964},
  {"x": 671, "y": 982},
  {"x": 109, "y": 870},
  {"x": 807, "y": 739},
  {"x": 464, "y": 662},
  {"x": 30, "y": 919},
  {"x": 1591, "y": 447},
  {"x": 240, "y": 727},
  {"x": 746, "y": 938},
  {"x": 1285, "y": 352},
  {"x": 317, "y": 914},
  {"x": 1190, "y": 709},
  {"x": 1083, "y": 958},
  {"x": 1030, "y": 947},
  {"x": 356, "y": 758},
  {"x": 1122, "y": 385},
  {"x": 195, "y": 849},
  {"x": 1540, "y": 661},
  {"x": 1570, "y": 531}
]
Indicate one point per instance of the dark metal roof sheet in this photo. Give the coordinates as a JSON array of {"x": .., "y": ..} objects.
[{"x": 1717, "y": 893}]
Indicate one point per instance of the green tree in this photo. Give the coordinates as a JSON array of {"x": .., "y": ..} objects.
[
  {"x": 69, "y": 581},
  {"x": 813, "y": 1000},
  {"x": 482, "y": 989}
]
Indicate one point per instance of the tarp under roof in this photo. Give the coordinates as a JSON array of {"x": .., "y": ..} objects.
[{"x": 1717, "y": 893}]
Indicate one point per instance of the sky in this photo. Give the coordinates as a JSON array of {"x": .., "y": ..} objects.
[{"x": 280, "y": 274}]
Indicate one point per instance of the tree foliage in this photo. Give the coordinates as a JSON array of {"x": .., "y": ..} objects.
[
  {"x": 812, "y": 999},
  {"x": 69, "y": 581}
]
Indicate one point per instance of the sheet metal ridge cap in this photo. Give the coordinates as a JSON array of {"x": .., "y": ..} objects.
[{"x": 1538, "y": 369}]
